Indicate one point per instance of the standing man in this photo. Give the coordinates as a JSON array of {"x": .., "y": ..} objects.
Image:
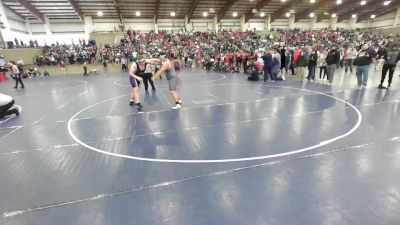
[
  {"x": 382, "y": 52},
  {"x": 123, "y": 64},
  {"x": 20, "y": 64},
  {"x": 288, "y": 60},
  {"x": 351, "y": 54},
  {"x": 301, "y": 64},
  {"x": 167, "y": 67},
  {"x": 16, "y": 74},
  {"x": 276, "y": 65},
  {"x": 133, "y": 79},
  {"x": 267, "y": 58},
  {"x": 332, "y": 59},
  {"x": 312, "y": 63},
  {"x": 3, "y": 68},
  {"x": 6, "y": 102},
  {"x": 363, "y": 63},
  {"x": 85, "y": 68},
  {"x": 245, "y": 59},
  {"x": 391, "y": 58}
]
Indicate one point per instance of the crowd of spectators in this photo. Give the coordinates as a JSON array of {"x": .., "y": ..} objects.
[{"x": 276, "y": 54}]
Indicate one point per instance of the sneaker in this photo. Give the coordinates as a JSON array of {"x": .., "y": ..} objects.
[
  {"x": 177, "y": 107},
  {"x": 357, "y": 86},
  {"x": 139, "y": 108},
  {"x": 381, "y": 86},
  {"x": 131, "y": 102}
]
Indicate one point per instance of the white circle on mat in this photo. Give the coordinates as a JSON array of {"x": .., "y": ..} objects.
[{"x": 297, "y": 151}]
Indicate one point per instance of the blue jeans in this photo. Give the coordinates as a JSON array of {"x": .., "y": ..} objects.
[{"x": 362, "y": 75}]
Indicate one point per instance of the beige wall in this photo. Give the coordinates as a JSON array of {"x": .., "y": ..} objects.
[
  {"x": 26, "y": 54},
  {"x": 106, "y": 37}
]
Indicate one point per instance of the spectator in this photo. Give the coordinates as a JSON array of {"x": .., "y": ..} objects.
[
  {"x": 267, "y": 58},
  {"x": 3, "y": 68},
  {"x": 62, "y": 66},
  {"x": 288, "y": 61},
  {"x": 332, "y": 59},
  {"x": 391, "y": 57},
  {"x": 351, "y": 54},
  {"x": 312, "y": 63},
  {"x": 322, "y": 64},
  {"x": 16, "y": 74},
  {"x": 381, "y": 54},
  {"x": 363, "y": 62},
  {"x": 124, "y": 64},
  {"x": 85, "y": 69},
  {"x": 301, "y": 64},
  {"x": 276, "y": 65}
]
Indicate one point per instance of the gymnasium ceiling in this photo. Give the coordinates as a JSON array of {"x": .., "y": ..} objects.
[{"x": 36, "y": 10}]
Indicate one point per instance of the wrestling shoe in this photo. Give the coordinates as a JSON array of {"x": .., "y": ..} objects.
[{"x": 177, "y": 107}]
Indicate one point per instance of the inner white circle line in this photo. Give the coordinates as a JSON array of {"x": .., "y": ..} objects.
[{"x": 322, "y": 143}]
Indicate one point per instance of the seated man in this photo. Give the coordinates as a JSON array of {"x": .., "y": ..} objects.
[
  {"x": 6, "y": 102},
  {"x": 253, "y": 70},
  {"x": 30, "y": 72},
  {"x": 37, "y": 72}
]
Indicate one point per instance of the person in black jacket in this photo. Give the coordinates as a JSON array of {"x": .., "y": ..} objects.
[
  {"x": 363, "y": 62},
  {"x": 382, "y": 52},
  {"x": 391, "y": 57},
  {"x": 312, "y": 63},
  {"x": 288, "y": 61},
  {"x": 254, "y": 74},
  {"x": 332, "y": 59}
]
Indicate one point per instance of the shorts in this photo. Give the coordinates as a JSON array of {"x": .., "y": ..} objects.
[
  {"x": 172, "y": 83},
  {"x": 133, "y": 82}
]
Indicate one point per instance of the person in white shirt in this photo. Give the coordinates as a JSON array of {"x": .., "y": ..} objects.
[
  {"x": 3, "y": 68},
  {"x": 2, "y": 61},
  {"x": 351, "y": 54},
  {"x": 6, "y": 104},
  {"x": 16, "y": 74},
  {"x": 20, "y": 61},
  {"x": 124, "y": 64}
]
